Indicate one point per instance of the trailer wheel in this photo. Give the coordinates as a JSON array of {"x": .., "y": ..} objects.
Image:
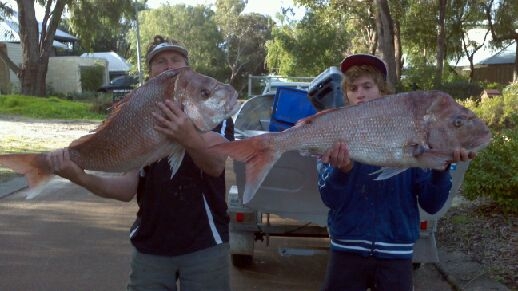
[{"x": 241, "y": 261}]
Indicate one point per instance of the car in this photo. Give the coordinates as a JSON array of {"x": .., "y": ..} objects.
[{"x": 123, "y": 83}]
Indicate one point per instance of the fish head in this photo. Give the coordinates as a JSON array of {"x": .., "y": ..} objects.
[
  {"x": 452, "y": 126},
  {"x": 204, "y": 99}
]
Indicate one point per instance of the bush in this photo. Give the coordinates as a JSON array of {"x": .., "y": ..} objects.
[
  {"x": 461, "y": 90},
  {"x": 493, "y": 172},
  {"x": 91, "y": 77}
]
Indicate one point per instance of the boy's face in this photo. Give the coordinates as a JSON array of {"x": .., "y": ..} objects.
[{"x": 362, "y": 89}]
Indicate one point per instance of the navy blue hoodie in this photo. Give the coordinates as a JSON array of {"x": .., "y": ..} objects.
[{"x": 379, "y": 218}]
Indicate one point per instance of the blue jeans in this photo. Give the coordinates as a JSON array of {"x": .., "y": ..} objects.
[
  {"x": 206, "y": 269},
  {"x": 348, "y": 271}
]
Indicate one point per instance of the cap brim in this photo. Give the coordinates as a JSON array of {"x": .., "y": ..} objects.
[
  {"x": 169, "y": 47},
  {"x": 363, "y": 59}
]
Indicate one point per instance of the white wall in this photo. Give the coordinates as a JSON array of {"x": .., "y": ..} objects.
[
  {"x": 14, "y": 51},
  {"x": 63, "y": 74}
]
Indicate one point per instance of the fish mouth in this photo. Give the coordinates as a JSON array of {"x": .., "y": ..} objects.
[{"x": 485, "y": 142}]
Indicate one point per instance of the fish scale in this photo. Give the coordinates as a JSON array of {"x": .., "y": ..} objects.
[{"x": 411, "y": 129}]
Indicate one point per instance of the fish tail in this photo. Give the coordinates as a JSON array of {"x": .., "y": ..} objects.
[
  {"x": 259, "y": 154},
  {"x": 33, "y": 166}
]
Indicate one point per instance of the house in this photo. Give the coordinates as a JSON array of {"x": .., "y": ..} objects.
[
  {"x": 10, "y": 45},
  {"x": 490, "y": 64},
  {"x": 117, "y": 65},
  {"x": 64, "y": 71}
]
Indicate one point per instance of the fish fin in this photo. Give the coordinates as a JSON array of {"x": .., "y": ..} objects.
[
  {"x": 309, "y": 119},
  {"x": 175, "y": 160},
  {"x": 33, "y": 166},
  {"x": 387, "y": 172},
  {"x": 437, "y": 160},
  {"x": 418, "y": 149},
  {"x": 82, "y": 139},
  {"x": 259, "y": 156},
  {"x": 32, "y": 192}
]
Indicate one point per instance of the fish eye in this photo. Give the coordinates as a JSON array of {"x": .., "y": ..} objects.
[
  {"x": 458, "y": 122},
  {"x": 205, "y": 93}
]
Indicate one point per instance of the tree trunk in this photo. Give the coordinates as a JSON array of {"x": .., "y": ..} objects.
[
  {"x": 441, "y": 35},
  {"x": 398, "y": 50},
  {"x": 515, "y": 73},
  {"x": 36, "y": 46},
  {"x": 385, "y": 28}
]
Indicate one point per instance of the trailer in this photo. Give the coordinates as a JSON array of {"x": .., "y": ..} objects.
[{"x": 288, "y": 203}]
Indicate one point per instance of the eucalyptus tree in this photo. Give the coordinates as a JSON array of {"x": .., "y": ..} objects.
[
  {"x": 106, "y": 26},
  {"x": 502, "y": 19},
  {"x": 6, "y": 10},
  {"x": 465, "y": 16},
  {"x": 369, "y": 24},
  {"x": 244, "y": 38},
  {"x": 37, "y": 38},
  {"x": 308, "y": 47}
]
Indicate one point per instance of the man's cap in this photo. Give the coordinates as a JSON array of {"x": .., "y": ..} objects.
[
  {"x": 363, "y": 59},
  {"x": 165, "y": 46}
]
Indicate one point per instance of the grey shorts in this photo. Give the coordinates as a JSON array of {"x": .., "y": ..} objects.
[{"x": 206, "y": 269}]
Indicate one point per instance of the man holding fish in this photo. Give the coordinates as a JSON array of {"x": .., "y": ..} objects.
[
  {"x": 373, "y": 224},
  {"x": 181, "y": 230}
]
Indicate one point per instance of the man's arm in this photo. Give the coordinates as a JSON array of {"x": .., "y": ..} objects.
[{"x": 122, "y": 187}]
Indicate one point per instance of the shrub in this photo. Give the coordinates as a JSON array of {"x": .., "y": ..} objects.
[
  {"x": 493, "y": 172},
  {"x": 91, "y": 77},
  {"x": 461, "y": 90}
]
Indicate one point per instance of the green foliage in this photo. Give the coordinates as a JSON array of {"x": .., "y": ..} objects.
[
  {"x": 493, "y": 172},
  {"x": 244, "y": 41},
  {"x": 461, "y": 89},
  {"x": 101, "y": 25},
  {"x": 498, "y": 112},
  {"x": 91, "y": 77},
  {"x": 47, "y": 108},
  {"x": 295, "y": 51}
]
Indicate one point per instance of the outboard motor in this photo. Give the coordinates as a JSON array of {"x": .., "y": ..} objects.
[{"x": 325, "y": 90}]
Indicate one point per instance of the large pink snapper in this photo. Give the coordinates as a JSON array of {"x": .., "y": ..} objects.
[
  {"x": 127, "y": 139},
  {"x": 413, "y": 129}
]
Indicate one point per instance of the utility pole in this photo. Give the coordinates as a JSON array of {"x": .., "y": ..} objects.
[{"x": 139, "y": 67}]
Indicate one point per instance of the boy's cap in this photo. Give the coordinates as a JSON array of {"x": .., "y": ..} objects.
[
  {"x": 363, "y": 59},
  {"x": 167, "y": 47}
]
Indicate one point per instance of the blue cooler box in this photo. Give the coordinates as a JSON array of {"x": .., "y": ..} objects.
[{"x": 289, "y": 106}]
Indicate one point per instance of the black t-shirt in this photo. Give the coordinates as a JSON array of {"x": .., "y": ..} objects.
[{"x": 182, "y": 214}]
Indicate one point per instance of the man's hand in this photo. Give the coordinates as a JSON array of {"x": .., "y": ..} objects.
[
  {"x": 461, "y": 155},
  {"x": 338, "y": 156},
  {"x": 176, "y": 125},
  {"x": 60, "y": 164}
]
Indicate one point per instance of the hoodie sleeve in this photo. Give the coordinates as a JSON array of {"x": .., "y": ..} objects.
[
  {"x": 332, "y": 183},
  {"x": 434, "y": 188}
]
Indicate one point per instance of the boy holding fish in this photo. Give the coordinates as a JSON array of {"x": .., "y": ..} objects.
[
  {"x": 373, "y": 224},
  {"x": 180, "y": 234}
]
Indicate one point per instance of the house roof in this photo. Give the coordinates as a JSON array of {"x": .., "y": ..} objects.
[
  {"x": 487, "y": 55},
  {"x": 504, "y": 56},
  {"x": 116, "y": 63},
  {"x": 9, "y": 33}
]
